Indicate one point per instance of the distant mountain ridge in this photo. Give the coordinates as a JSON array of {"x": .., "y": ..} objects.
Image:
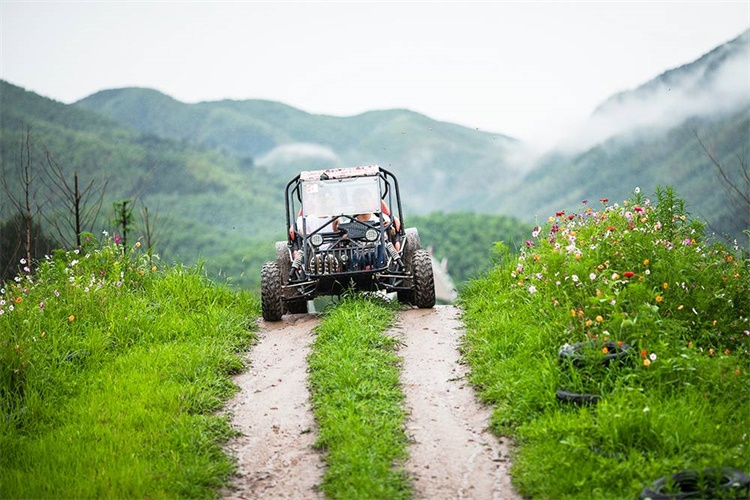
[
  {"x": 428, "y": 156},
  {"x": 648, "y": 137}
]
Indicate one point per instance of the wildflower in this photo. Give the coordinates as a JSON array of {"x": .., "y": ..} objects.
[
  {"x": 638, "y": 209},
  {"x": 137, "y": 244},
  {"x": 726, "y": 352},
  {"x": 604, "y": 200},
  {"x": 23, "y": 261},
  {"x": 619, "y": 343},
  {"x": 665, "y": 285},
  {"x": 605, "y": 350},
  {"x": 71, "y": 318},
  {"x": 615, "y": 276},
  {"x": 659, "y": 298},
  {"x": 589, "y": 322},
  {"x": 637, "y": 190},
  {"x": 646, "y": 362},
  {"x": 599, "y": 319},
  {"x": 690, "y": 344},
  {"x": 574, "y": 278},
  {"x": 737, "y": 371},
  {"x": 645, "y": 262},
  {"x": 536, "y": 231},
  {"x": 41, "y": 305},
  {"x": 611, "y": 228},
  {"x": 680, "y": 307},
  {"x": 643, "y": 353},
  {"x": 687, "y": 242},
  {"x": 713, "y": 323},
  {"x": 117, "y": 240},
  {"x": 26, "y": 269},
  {"x": 56, "y": 293},
  {"x": 573, "y": 312},
  {"x": 628, "y": 274},
  {"x": 18, "y": 299},
  {"x": 592, "y": 276},
  {"x": 44, "y": 334},
  {"x": 560, "y": 214},
  {"x": 532, "y": 289},
  {"x": 529, "y": 243},
  {"x": 585, "y": 202},
  {"x": 729, "y": 258},
  {"x": 711, "y": 352},
  {"x": 652, "y": 357}
]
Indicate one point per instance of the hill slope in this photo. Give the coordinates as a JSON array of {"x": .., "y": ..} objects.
[
  {"x": 441, "y": 166},
  {"x": 649, "y": 137}
]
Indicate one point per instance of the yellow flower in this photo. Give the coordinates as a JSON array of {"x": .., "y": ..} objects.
[
  {"x": 711, "y": 352},
  {"x": 605, "y": 350},
  {"x": 71, "y": 318},
  {"x": 646, "y": 362},
  {"x": 599, "y": 319},
  {"x": 659, "y": 298},
  {"x": 137, "y": 244},
  {"x": 679, "y": 308},
  {"x": 713, "y": 323},
  {"x": 589, "y": 322},
  {"x": 726, "y": 352},
  {"x": 665, "y": 285},
  {"x": 153, "y": 268},
  {"x": 690, "y": 344},
  {"x": 645, "y": 262}
]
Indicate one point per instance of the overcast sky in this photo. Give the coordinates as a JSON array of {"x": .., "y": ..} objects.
[{"x": 531, "y": 70}]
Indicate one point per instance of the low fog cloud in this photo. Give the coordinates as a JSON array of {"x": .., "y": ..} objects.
[{"x": 706, "y": 88}]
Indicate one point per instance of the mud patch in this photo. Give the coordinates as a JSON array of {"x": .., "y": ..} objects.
[
  {"x": 272, "y": 411},
  {"x": 453, "y": 453}
]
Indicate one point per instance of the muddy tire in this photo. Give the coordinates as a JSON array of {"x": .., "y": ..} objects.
[
  {"x": 283, "y": 260},
  {"x": 297, "y": 306},
  {"x": 270, "y": 292},
  {"x": 411, "y": 245},
  {"x": 424, "y": 281}
]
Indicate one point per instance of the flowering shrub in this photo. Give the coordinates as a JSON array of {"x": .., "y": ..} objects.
[{"x": 641, "y": 274}]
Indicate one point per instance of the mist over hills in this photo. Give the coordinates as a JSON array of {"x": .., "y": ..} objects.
[
  {"x": 430, "y": 158},
  {"x": 650, "y": 136}
]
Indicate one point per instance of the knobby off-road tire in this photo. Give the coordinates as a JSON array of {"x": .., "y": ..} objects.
[
  {"x": 283, "y": 260},
  {"x": 411, "y": 245},
  {"x": 424, "y": 281},
  {"x": 270, "y": 292}
]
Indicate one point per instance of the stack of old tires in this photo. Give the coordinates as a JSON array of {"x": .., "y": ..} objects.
[{"x": 577, "y": 355}]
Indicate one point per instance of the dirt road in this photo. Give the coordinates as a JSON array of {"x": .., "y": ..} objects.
[{"x": 452, "y": 454}]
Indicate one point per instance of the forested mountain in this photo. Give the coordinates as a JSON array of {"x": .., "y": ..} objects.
[
  {"x": 206, "y": 203},
  {"x": 650, "y": 136},
  {"x": 441, "y": 166}
]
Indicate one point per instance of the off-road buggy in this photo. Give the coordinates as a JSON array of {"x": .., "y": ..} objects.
[{"x": 342, "y": 234}]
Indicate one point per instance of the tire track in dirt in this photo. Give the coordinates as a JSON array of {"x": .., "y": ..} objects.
[
  {"x": 272, "y": 411},
  {"x": 453, "y": 453}
]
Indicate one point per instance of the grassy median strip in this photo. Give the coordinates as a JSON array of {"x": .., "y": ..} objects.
[
  {"x": 358, "y": 402},
  {"x": 111, "y": 371}
]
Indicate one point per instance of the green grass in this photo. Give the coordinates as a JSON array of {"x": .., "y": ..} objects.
[
  {"x": 111, "y": 372},
  {"x": 358, "y": 403},
  {"x": 642, "y": 274}
]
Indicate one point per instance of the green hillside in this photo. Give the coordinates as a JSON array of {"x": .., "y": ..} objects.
[
  {"x": 211, "y": 205},
  {"x": 441, "y": 166},
  {"x": 650, "y": 137}
]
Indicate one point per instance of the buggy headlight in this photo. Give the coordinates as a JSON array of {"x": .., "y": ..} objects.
[
  {"x": 371, "y": 235},
  {"x": 316, "y": 239}
]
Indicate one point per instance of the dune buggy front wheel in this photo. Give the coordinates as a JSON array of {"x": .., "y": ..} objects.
[
  {"x": 424, "y": 281},
  {"x": 270, "y": 292}
]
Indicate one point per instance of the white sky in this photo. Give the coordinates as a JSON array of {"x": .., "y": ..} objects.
[{"x": 531, "y": 70}]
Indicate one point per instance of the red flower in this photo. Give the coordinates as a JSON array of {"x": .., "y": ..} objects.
[
  {"x": 604, "y": 200},
  {"x": 611, "y": 228},
  {"x": 643, "y": 353},
  {"x": 628, "y": 274},
  {"x": 559, "y": 214}
]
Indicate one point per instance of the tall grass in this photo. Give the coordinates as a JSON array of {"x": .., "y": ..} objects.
[
  {"x": 357, "y": 401},
  {"x": 638, "y": 280},
  {"x": 111, "y": 370}
]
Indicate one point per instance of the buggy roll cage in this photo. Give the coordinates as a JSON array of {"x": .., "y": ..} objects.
[{"x": 386, "y": 180}]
